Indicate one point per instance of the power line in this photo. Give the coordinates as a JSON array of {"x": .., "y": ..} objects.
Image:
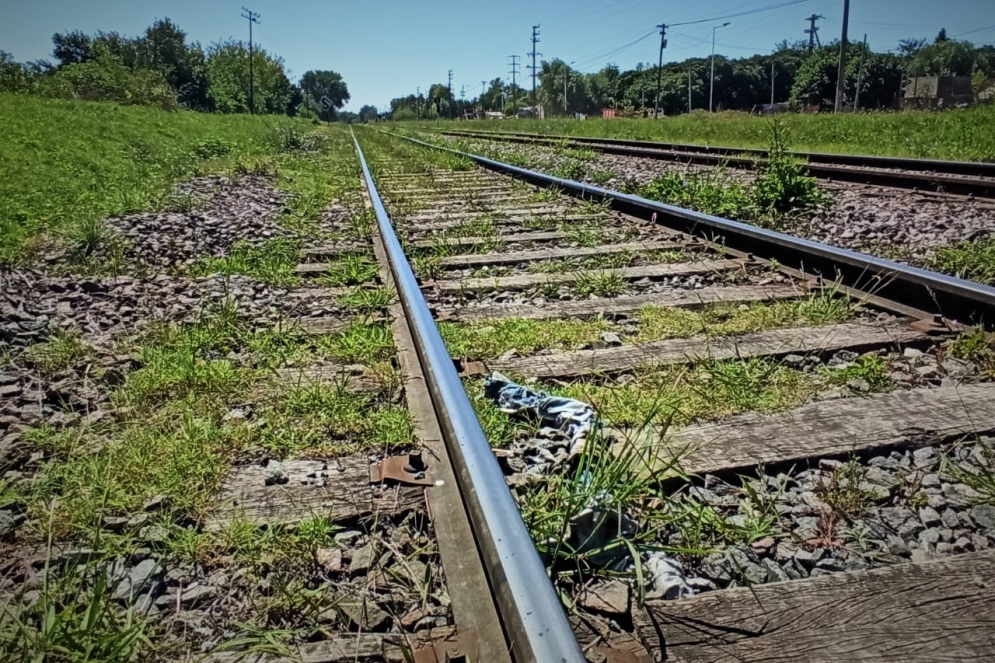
[
  {"x": 253, "y": 18},
  {"x": 789, "y": 3},
  {"x": 616, "y": 51}
]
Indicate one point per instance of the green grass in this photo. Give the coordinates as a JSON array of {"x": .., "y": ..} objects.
[
  {"x": 962, "y": 134},
  {"x": 600, "y": 284},
  {"x": 363, "y": 342},
  {"x": 67, "y": 165},
  {"x": 490, "y": 340},
  {"x": 350, "y": 269},
  {"x": 972, "y": 260},
  {"x": 978, "y": 346},
  {"x": 367, "y": 300},
  {"x": 61, "y": 351},
  {"x": 872, "y": 370},
  {"x": 272, "y": 261}
]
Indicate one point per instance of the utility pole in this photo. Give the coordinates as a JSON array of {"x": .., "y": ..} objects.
[
  {"x": 711, "y": 84},
  {"x": 860, "y": 73},
  {"x": 418, "y": 102},
  {"x": 659, "y": 69},
  {"x": 535, "y": 40},
  {"x": 253, "y": 18},
  {"x": 841, "y": 72},
  {"x": 483, "y": 85},
  {"x": 514, "y": 72},
  {"x": 812, "y": 31},
  {"x": 304, "y": 89},
  {"x": 450, "y": 88},
  {"x": 689, "y": 89},
  {"x": 773, "y": 74}
]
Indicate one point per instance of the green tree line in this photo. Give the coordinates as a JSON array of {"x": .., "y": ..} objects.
[
  {"x": 793, "y": 72},
  {"x": 161, "y": 68}
]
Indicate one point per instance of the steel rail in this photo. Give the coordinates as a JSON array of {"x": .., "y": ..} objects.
[
  {"x": 533, "y": 618},
  {"x": 921, "y": 289},
  {"x": 862, "y": 173},
  {"x": 939, "y": 166}
]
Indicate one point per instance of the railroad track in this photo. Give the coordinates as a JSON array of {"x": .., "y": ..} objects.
[
  {"x": 956, "y": 178},
  {"x": 861, "y": 433}
]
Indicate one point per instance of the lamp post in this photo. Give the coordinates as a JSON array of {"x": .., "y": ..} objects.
[
  {"x": 566, "y": 72},
  {"x": 711, "y": 84}
]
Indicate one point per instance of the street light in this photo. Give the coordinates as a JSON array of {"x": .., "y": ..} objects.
[
  {"x": 711, "y": 85},
  {"x": 566, "y": 70}
]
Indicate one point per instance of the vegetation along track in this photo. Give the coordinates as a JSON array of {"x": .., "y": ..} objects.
[
  {"x": 958, "y": 178},
  {"x": 210, "y": 445},
  {"x": 791, "y": 437}
]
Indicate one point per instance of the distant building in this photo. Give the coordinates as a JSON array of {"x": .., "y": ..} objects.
[{"x": 939, "y": 91}]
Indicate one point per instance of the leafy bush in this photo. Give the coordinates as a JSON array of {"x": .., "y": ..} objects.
[{"x": 783, "y": 187}]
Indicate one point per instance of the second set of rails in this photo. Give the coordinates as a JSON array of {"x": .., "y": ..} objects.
[{"x": 489, "y": 244}]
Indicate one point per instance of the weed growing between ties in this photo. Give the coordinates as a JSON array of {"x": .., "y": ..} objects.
[
  {"x": 492, "y": 339},
  {"x": 272, "y": 261},
  {"x": 976, "y": 471},
  {"x": 72, "y": 618},
  {"x": 977, "y": 346},
  {"x": 352, "y": 269}
]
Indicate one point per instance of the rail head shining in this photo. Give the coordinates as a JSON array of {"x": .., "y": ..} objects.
[{"x": 533, "y": 618}]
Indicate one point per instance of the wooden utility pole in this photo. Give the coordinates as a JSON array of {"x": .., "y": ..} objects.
[
  {"x": 253, "y": 18},
  {"x": 841, "y": 72},
  {"x": 772, "y": 75},
  {"x": 860, "y": 74},
  {"x": 659, "y": 69}
]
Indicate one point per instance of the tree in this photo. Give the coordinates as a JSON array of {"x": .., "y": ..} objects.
[
  {"x": 493, "y": 96},
  {"x": 943, "y": 58},
  {"x": 72, "y": 47},
  {"x": 941, "y": 36},
  {"x": 14, "y": 76},
  {"x": 327, "y": 83},
  {"x": 163, "y": 48},
  {"x": 368, "y": 114},
  {"x": 228, "y": 75}
]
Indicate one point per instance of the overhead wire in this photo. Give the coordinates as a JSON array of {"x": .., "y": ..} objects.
[{"x": 789, "y": 3}]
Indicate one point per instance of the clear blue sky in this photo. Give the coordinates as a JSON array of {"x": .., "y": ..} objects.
[{"x": 388, "y": 48}]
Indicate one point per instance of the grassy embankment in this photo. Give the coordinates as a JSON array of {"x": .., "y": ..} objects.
[
  {"x": 964, "y": 134},
  {"x": 168, "y": 434},
  {"x": 67, "y": 165}
]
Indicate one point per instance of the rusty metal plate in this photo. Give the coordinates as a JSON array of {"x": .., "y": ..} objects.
[{"x": 410, "y": 470}]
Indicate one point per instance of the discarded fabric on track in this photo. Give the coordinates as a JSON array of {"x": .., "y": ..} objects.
[
  {"x": 597, "y": 531},
  {"x": 558, "y": 414}
]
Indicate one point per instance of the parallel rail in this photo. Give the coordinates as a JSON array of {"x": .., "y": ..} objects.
[
  {"x": 535, "y": 624},
  {"x": 964, "y": 178},
  {"x": 910, "y": 289}
]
